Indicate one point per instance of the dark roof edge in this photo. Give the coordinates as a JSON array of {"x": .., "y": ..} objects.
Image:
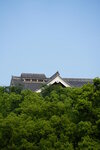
[{"x": 78, "y": 79}]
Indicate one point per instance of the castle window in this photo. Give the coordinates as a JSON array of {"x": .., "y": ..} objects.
[
  {"x": 27, "y": 79},
  {"x": 34, "y": 80},
  {"x": 40, "y": 80}
]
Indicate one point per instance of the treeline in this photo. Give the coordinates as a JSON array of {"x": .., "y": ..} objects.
[{"x": 56, "y": 119}]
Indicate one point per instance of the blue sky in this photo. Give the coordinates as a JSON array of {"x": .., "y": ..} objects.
[{"x": 43, "y": 36}]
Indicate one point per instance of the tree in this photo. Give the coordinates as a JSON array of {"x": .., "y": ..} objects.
[{"x": 56, "y": 119}]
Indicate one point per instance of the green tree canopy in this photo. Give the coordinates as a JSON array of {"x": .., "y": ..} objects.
[{"x": 56, "y": 119}]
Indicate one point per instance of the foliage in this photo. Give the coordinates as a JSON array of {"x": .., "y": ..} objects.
[{"x": 56, "y": 119}]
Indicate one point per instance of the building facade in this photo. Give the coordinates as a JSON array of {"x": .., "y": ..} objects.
[{"x": 35, "y": 82}]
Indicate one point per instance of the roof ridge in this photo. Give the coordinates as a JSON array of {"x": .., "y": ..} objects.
[
  {"x": 54, "y": 75},
  {"x": 79, "y": 78},
  {"x": 33, "y": 73}
]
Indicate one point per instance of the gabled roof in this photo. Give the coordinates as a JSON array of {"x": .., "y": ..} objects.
[
  {"x": 55, "y": 75},
  {"x": 56, "y": 78}
]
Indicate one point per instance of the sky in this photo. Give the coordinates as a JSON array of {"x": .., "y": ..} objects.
[{"x": 45, "y": 36}]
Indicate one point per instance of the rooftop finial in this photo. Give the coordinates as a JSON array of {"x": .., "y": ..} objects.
[{"x": 57, "y": 73}]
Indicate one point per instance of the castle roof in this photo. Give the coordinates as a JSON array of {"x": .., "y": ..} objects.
[
  {"x": 33, "y": 76},
  {"x": 35, "y": 82}
]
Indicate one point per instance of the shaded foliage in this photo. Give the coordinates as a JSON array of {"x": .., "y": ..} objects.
[{"x": 56, "y": 119}]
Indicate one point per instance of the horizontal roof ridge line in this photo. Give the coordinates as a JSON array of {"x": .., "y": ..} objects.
[{"x": 79, "y": 78}]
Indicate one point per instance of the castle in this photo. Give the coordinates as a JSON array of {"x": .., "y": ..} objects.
[{"x": 35, "y": 82}]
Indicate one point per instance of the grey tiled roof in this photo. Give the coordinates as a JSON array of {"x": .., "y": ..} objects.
[
  {"x": 77, "y": 82},
  {"x": 33, "y": 76},
  {"x": 16, "y": 81},
  {"x": 55, "y": 75},
  {"x": 52, "y": 77},
  {"x": 73, "y": 82},
  {"x": 33, "y": 86}
]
